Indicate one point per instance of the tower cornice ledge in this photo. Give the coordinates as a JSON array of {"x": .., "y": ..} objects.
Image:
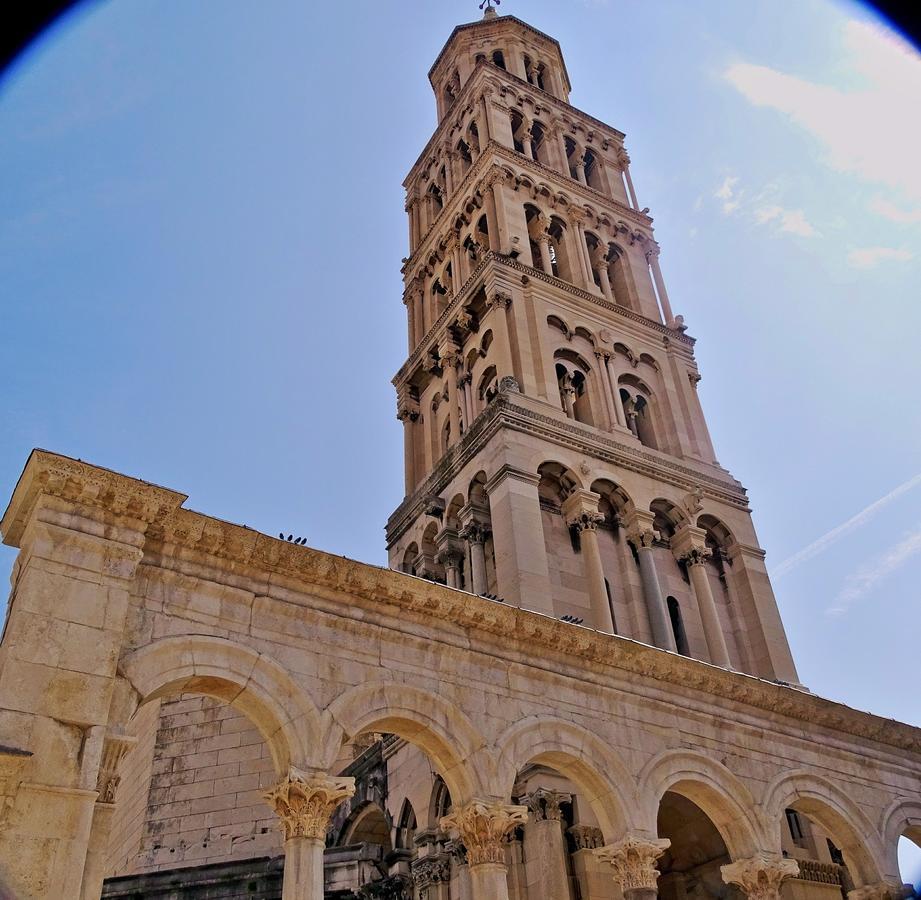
[
  {"x": 524, "y": 414},
  {"x": 318, "y": 579}
]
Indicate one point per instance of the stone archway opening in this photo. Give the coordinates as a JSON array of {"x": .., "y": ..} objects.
[
  {"x": 198, "y": 800},
  {"x": 909, "y": 854},
  {"x": 690, "y": 867}
]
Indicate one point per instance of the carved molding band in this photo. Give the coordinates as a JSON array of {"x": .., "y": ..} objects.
[
  {"x": 760, "y": 877},
  {"x": 634, "y": 861},
  {"x": 483, "y": 827},
  {"x": 304, "y": 803}
]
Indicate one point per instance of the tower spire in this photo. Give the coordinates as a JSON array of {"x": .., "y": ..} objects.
[{"x": 489, "y": 12}]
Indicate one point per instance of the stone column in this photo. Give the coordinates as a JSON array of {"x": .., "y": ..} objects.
[
  {"x": 619, "y": 413},
  {"x": 498, "y": 304},
  {"x": 652, "y": 257},
  {"x": 760, "y": 877},
  {"x": 580, "y": 167},
  {"x": 522, "y": 572},
  {"x": 607, "y": 392},
  {"x": 408, "y": 413},
  {"x": 450, "y": 553},
  {"x": 475, "y": 534},
  {"x": 577, "y": 217},
  {"x": 545, "y": 846},
  {"x": 561, "y": 149},
  {"x": 304, "y": 803},
  {"x": 526, "y": 137},
  {"x": 466, "y": 383},
  {"x": 114, "y": 748},
  {"x": 642, "y": 536},
  {"x": 624, "y": 161},
  {"x": 580, "y": 510},
  {"x": 483, "y": 827},
  {"x": 688, "y": 546},
  {"x": 634, "y": 863},
  {"x": 450, "y": 360},
  {"x": 492, "y": 220},
  {"x": 593, "y": 883}
]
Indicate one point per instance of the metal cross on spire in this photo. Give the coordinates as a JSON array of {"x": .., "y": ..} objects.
[{"x": 488, "y": 3}]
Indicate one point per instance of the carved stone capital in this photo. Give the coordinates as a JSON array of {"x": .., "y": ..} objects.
[
  {"x": 586, "y": 837},
  {"x": 429, "y": 870},
  {"x": 634, "y": 861},
  {"x": 580, "y": 510},
  {"x": 500, "y": 299},
  {"x": 483, "y": 827},
  {"x": 882, "y": 890},
  {"x": 652, "y": 252},
  {"x": 760, "y": 877},
  {"x": 475, "y": 533},
  {"x": 544, "y": 804},
  {"x": 305, "y": 802},
  {"x": 114, "y": 748},
  {"x": 689, "y": 546}
]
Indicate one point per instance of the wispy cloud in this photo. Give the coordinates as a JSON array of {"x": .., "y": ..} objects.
[
  {"x": 856, "y": 521},
  {"x": 894, "y": 213},
  {"x": 735, "y": 199},
  {"x": 870, "y": 257},
  {"x": 860, "y": 582},
  {"x": 886, "y": 147}
]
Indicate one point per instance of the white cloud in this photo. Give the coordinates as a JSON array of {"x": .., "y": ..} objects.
[
  {"x": 854, "y": 522},
  {"x": 859, "y": 583},
  {"x": 731, "y": 198},
  {"x": 871, "y": 131},
  {"x": 794, "y": 221},
  {"x": 766, "y": 214},
  {"x": 894, "y": 213},
  {"x": 869, "y": 257}
]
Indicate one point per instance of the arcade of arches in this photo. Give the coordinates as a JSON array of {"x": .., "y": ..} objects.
[
  {"x": 573, "y": 682},
  {"x": 181, "y": 695}
]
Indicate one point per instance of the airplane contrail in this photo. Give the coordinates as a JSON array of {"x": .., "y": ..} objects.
[{"x": 861, "y": 518}]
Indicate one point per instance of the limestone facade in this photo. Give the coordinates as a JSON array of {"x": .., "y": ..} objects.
[{"x": 572, "y": 683}]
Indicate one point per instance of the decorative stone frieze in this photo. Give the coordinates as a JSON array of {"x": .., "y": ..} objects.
[
  {"x": 483, "y": 826},
  {"x": 429, "y": 870},
  {"x": 305, "y": 802},
  {"x": 634, "y": 861},
  {"x": 760, "y": 877}
]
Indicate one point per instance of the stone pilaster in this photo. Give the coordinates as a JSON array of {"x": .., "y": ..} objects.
[{"x": 760, "y": 877}]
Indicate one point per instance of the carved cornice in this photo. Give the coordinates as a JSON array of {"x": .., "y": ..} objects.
[
  {"x": 263, "y": 558},
  {"x": 84, "y": 485},
  {"x": 760, "y": 877},
  {"x": 505, "y": 412},
  {"x": 304, "y": 803}
]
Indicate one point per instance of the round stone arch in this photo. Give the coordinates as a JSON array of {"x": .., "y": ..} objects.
[
  {"x": 902, "y": 818},
  {"x": 240, "y": 676},
  {"x": 424, "y": 718},
  {"x": 720, "y": 794},
  {"x": 575, "y": 752},
  {"x": 831, "y": 808}
]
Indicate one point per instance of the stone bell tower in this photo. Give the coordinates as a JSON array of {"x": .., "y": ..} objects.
[{"x": 556, "y": 453}]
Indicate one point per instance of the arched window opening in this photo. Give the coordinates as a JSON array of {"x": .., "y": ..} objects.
[
  {"x": 539, "y": 76},
  {"x": 617, "y": 276},
  {"x": 440, "y": 804},
  {"x": 517, "y": 131},
  {"x": 466, "y": 158},
  {"x": 409, "y": 559},
  {"x": 473, "y": 138},
  {"x": 435, "y": 193},
  {"x": 406, "y": 827},
  {"x": 498, "y": 58},
  {"x": 572, "y": 156},
  {"x": 796, "y": 828},
  {"x": 446, "y": 436},
  {"x": 674, "y": 614},
  {"x": 488, "y": 387},
  {"x": 538, "y": 149},
  {"x": 691, "y": 865},
  {"x": 595, "y": 255},
  {"x": 370, "y": 827},
  {"x": 482, "y": 232},
  {"x": 574, "y": 399},
  {"x": 592, "y": 170},
  {"x": 559, "y": 260},
  {"x": 638, "y": 411}
]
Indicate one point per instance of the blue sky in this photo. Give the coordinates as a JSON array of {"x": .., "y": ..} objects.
[{"x": 202, "y": 227}]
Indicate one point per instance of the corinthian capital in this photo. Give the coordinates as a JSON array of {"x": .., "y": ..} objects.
[
  {"x": 305, "y": 802},
  {"x": 760, "y": 877},
  {"x": 881, "y": 891},
  {"x": 483, "y": 827},
  {"x": 634, "y": 861}
]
